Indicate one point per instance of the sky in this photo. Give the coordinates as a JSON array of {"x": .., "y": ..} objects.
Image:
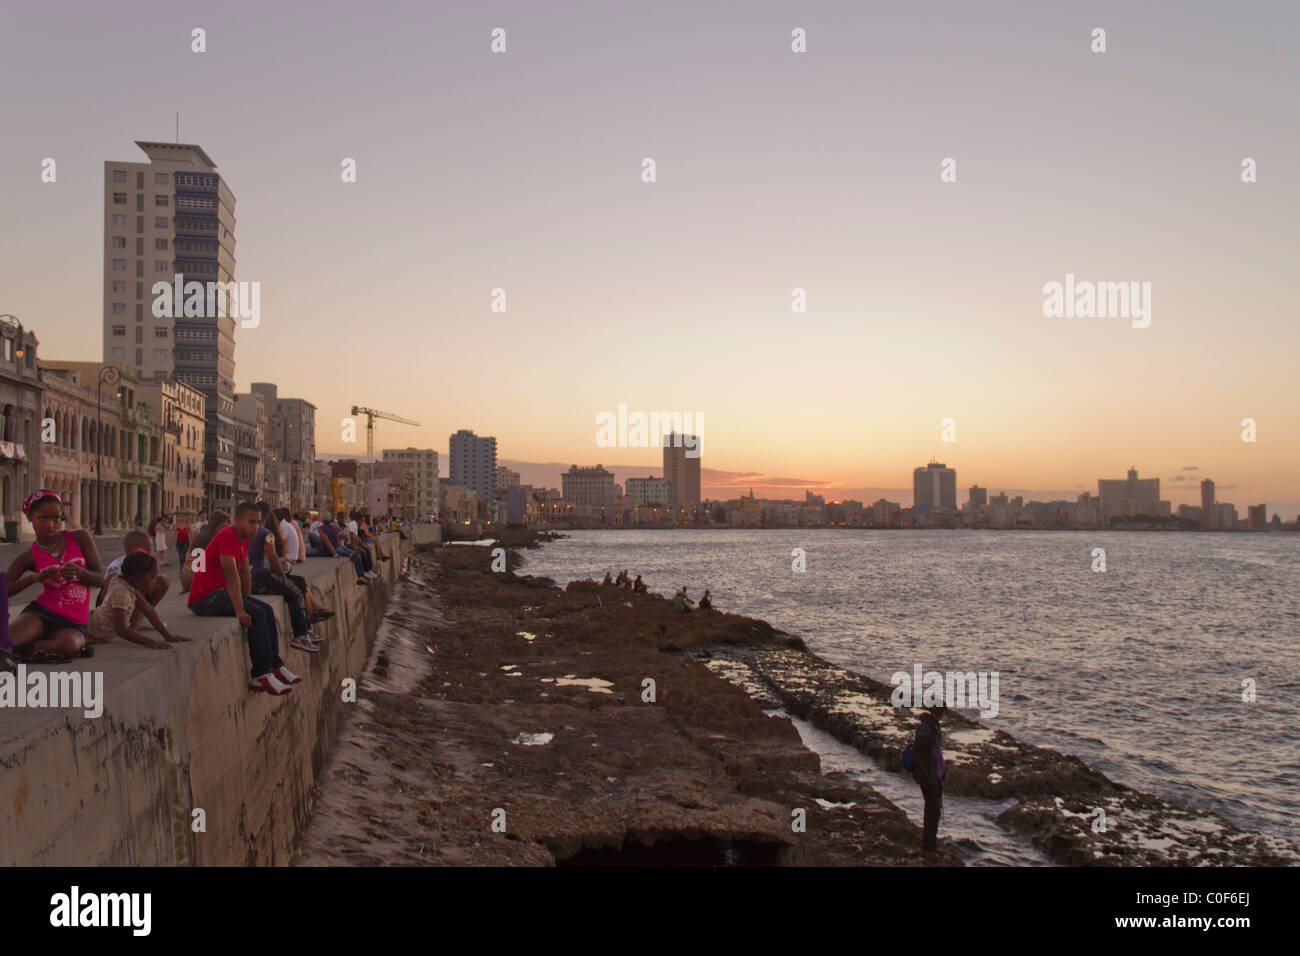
[{"x": 774, "y": 170}]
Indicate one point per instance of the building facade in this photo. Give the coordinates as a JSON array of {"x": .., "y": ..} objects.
[
  {"x": 651, "y": 491},
  {"x": 291, "y": 433},
  {"x": 421, "y": 477},
  {"x": 682, "y": 467},
  {"x": 590, "y": 487},
  {"x": 474, "y": 463},
  {"x": 934, "y": 488},
  {"x": 23, "y": 411},
  {"x": 172, "y": 220}
]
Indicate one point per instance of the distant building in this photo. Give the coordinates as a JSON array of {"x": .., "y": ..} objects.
[
  {"x": 474, "y": 463},
  {"x": 979, "y": 498},
  {"x": 651, "y": 491},
  {"x": 421, "y": 477},
  {"x": 1209, "y": 510},
  {"x": 592, "y": 487},
  {"x": 291, "y": 432},
  {"x": 681, "y": 468},
  {"x": 1257, "y": 518},
  {"x": 1227, "y": 520},
  {"x": 934, "y": 488},
  {"x": 1131, "y": 496}
]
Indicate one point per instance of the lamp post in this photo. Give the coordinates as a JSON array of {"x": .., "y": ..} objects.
[{"x": 110, "y": 374}]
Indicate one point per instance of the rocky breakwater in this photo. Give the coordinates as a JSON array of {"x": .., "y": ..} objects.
[
  {"x": 507, "y": 722},
  {"x": 1073, "y": 813}
]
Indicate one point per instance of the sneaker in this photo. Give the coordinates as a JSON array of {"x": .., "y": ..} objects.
[
  {"x": 372, "y": 575},
  {"x": 285, "y": 676},
  {"x": 316, "y": 638},
  {"x": 269, "y": 684},
  {"x": 305, "y": 643}
]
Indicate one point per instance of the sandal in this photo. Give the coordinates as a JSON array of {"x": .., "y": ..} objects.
[{"x": 7, "y": 663}]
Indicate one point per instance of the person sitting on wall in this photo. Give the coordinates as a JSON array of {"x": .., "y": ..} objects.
[
  {"x": 639, "y": 586},
  {"x": 127, "y": 597},
  {"x": 223, "y": 588},
  {"x": 706, "y": 602}
]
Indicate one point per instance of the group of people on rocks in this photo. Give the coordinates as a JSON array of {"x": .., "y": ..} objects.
[
  {"x": 228, "y": 561},
  {"x": 682, "y": 603}
]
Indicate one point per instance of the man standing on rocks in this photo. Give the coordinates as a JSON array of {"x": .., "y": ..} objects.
[{"x": 928, "y": 769}]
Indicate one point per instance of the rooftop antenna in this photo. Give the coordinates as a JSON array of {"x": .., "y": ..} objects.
[{"x": 178, "y": 128}]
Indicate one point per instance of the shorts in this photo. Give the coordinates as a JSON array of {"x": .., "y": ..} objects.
[{"x": 53, "y": 621}]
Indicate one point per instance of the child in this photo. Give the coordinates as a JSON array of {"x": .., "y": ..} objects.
[
  {"x": 66, "y": 566},
  {"x": 134, "y": 542},
  {"x": 125, "y": 600}
]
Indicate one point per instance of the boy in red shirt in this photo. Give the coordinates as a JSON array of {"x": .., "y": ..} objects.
[{"x": 223, "y": 587}]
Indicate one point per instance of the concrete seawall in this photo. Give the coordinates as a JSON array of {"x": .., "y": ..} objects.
[{"x": 181, "y": 732}]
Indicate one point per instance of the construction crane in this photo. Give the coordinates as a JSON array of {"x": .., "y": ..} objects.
[{"x": 371, "y": 414}]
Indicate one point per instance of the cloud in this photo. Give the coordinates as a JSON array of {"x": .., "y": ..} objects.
[{"x": 1191, "y": 468}]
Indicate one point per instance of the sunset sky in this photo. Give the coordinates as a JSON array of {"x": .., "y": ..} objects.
[{"x": 775, "y": 170}]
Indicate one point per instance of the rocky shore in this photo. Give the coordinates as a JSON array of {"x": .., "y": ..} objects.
[{"x": 505, "y": 722}]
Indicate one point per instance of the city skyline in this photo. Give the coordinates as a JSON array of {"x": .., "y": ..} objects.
[{"x": 932, "y": 312}]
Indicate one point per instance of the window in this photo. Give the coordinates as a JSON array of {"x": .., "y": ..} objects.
[
  {"x": 160, "y": 355},
  {"x": 119, "y": 242},
  {"x": 160, "y": 333},
  {"x": 160, "y": 245},
  {"x": 119, "y": 265},
  {"x": 160, "y": 222},
  {"x": 119, "y": 199},
  {"x": 161, "y": 201},
  {"x": 139, "y": 180},
  {"x": 119, "y": 221},
  {"x": 119, "y": 330},
  {"x": 161, "y": 179},
  {"x": 119, "y": 287},
  {"x": 119, "y": 176},
  {"x": 160, "y": 265},
  {"x": 119, "y": 308},
  {"x": 119, "y": 354}
]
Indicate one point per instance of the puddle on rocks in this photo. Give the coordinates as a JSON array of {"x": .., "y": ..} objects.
[
  {"x": 968, "y": 823},
  {"x": 533, "y": 739},
  {"x": 593, "y": 684}
]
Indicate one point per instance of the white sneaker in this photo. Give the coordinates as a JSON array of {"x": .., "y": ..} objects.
[
  {"x": 316, "y": 638},
  {"x": 372, "y": 575},
  {"x": 285, "y": 676},
  {"x": 269, "y": 684}
]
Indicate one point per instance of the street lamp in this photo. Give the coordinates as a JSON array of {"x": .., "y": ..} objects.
[{"x": 110, "y": 374}]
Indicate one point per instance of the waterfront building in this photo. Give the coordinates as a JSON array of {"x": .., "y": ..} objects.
[
  {"x": 651, "y": 491},
  {"x": 181, "y": 411},
  {"x": 1131, "y": 496},
  {"x": 421, "y": 478},
  {"x": 682, "y": 467},
  {"x": 1257, "y": 517},
  {"x": 474, "y": 463},
  {"x": 934, "y": 488},
  {"x": 174, "y": 216},
  {"x": 1209, "y": 510},
  {"x": 592, "y": 487}
]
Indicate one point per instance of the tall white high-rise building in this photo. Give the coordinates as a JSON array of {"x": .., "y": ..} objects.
[
  {"x": 474, "y": 463},
  {"x": 168, "y": 217}
]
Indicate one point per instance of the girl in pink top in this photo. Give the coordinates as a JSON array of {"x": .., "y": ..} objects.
[{"x": 66, "y": 565}]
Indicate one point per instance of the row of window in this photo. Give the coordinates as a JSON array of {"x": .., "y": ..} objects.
[
  {"x": 158, "y": 333},
  {"x": 159, "y": 245},
  {"x": 119, "y": 199},
  {"x": 160, "y": 179},
  {"x": 159, "y": 265},
  {"x": 159, "y": 222}
]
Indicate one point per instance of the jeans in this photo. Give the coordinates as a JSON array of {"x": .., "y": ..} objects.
[
  {"x": 932, "y": 790},
  {"x": 268, "y": 582},
  {"x": 365, "y": 561},
  {"x": 182, "y": 551},
  {"x": 263, "y": 639}
]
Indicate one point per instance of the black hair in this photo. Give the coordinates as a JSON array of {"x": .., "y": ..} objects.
[
  {"x": 137, "y": 564},
  {"x": 244, "y": 507}
]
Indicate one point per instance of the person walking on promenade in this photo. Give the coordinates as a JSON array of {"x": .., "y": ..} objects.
[
  {"x": 182, "y": 538},
  {"x": 928, "y": 771}
]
